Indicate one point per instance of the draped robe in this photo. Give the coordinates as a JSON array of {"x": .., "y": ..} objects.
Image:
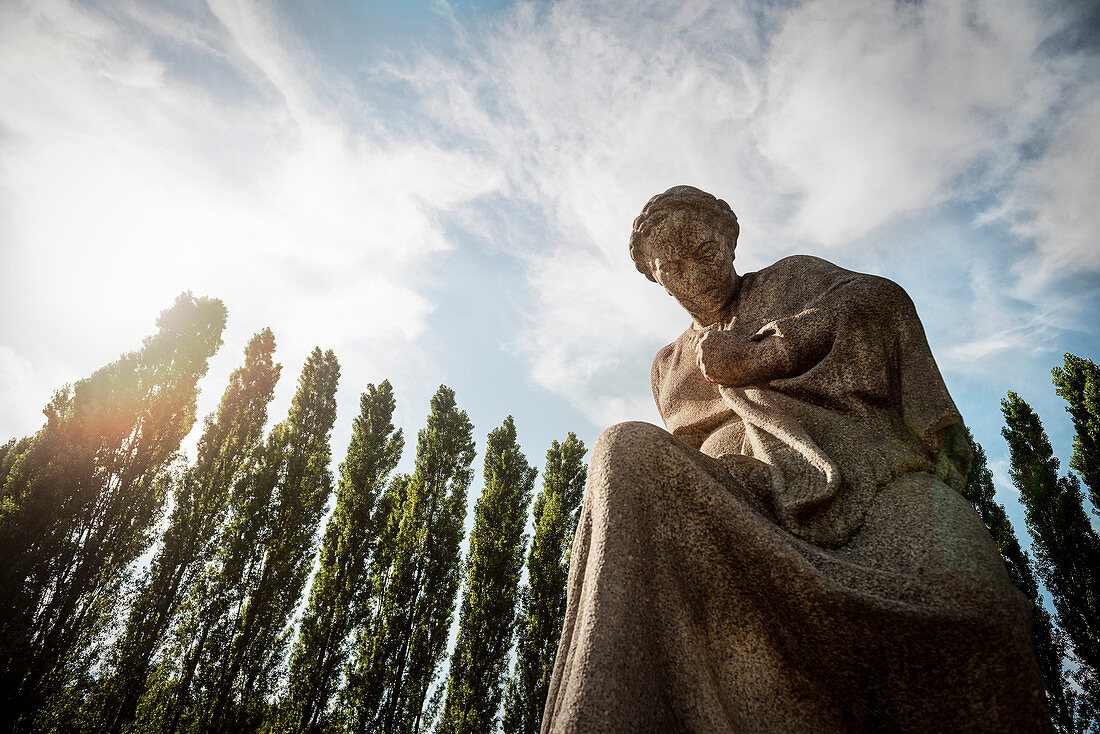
[{"x": 792, "y": 554}]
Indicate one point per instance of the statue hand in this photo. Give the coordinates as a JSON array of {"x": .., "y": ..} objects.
[{"x": 720, "y": 356}]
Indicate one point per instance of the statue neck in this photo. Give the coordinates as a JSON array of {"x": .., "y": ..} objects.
[{"x": 721, "y": 316}]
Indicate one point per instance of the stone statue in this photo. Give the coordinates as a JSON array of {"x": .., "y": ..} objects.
[{"x": 792, "y": 555}]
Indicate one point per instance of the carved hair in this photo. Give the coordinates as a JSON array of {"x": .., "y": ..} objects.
[{"x": 680, "y": 198}]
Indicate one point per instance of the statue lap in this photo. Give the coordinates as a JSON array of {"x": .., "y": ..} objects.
[{"x": 691, "y": 609}]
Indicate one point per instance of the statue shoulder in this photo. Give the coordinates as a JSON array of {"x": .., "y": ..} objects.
[
  {"x": 664, "y": 354},
  {"x": 664, "y": 357},
  {"x": 804, "y": 265},
  {"x": 826, "y": 276}
]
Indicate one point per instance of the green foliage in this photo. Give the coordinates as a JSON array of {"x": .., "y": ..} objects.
[
  {"x": 199, "y": 502},
  {"x": 1079, "y": 385},
  {"x": 415, "y": 580},
  {"x": 9, "y": 454},
  {"x": 1050, "y": 646},
  {"x": 1067, "y": 548},
  {"x": 542, "y": 614},
  {"x": 79, "y": 503},
  {"x": 494, "y": 564},
  {"x": 232, "y": 637},
  {"x": 340, "y": 592}
]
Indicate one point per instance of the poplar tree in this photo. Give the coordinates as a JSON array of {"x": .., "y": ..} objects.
[
  {"x": 80, "y": 502},
  {"x": 302, "y": 485},
  {"x": 229, "y": 643},
  {"x": 199, "y": 504},
  {"x": 415, "y": 582},
  {"x": 9, "y": 454},
  {"x": 1078, "y": 383},
  {"x": 542, "y": 614},
  {"x": 493, "y": 567},
  {"x": 1066, "y": 546},
  {"x": 340, "y": 590},
  {"x": 1050, "y": 646}
]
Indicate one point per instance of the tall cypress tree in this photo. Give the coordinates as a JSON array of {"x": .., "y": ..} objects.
[
  {"x": 415, "y": 582},
  {"x": 200, "y": 498},
  {"x": 493, "y": 566},
  {"x": 302, "y": 487},
  {"x": 9, "y": 454},
  {"x": 359, "y": 701},
  {"x": 1050, "y": 646},
  {"x": 80, "y": 502},
  {"x": 229, "y": 643},
  {"x": 1078, "y": 382},
  {"x": 177, "y": 695},
  {"x": 542, "y": 614},
  {"x": 1067, "y": 548},
  {"x": 340, "y": 588}
]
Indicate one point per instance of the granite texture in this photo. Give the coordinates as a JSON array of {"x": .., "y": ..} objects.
[{"x": 792, "y": 554}]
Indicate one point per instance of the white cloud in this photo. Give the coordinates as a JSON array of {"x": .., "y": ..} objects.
[
  {"x": 24, "y": 393},
  {"x": 821, "y": 123},
  {"x": 885, "y": 108},
  {"x": 1055, "y": 204},
  {"x": 964, "y": 356},
  {"x": 991, "y": 326},
  {"x": 590, "y": 109},
  {"x": 153, "y": 149},
  {"x": 142, "y": 157},
  {"x": 593, "y": 333}
]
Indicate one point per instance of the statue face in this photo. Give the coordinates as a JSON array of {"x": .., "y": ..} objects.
[{"x": 691, "y": 260}]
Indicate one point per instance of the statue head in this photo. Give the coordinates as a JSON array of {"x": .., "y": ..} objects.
[
  {"x": 707, "y": 210},
  {"x": 684, "y": 240}
]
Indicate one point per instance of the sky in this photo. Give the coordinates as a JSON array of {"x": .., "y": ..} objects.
[{"x": 442, "y": 193}]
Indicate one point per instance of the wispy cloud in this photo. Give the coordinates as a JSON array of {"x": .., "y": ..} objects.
[
  {"x": 21, "y": 389},
  {"x": 589, "y": 109},
  {"x": 142, "y": 157},
  {"x": 881, "y": 109},
  {"x": 822, "y": 123},
  {"x": 146, "y": 149},
  {"x": 1055, "y": 201}
]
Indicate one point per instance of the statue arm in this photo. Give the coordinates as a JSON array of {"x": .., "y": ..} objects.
[
  {"x": 861, "y": 307},
  {"x": 781, "y": 348}
]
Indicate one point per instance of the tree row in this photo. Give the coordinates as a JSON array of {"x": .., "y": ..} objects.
[
  {"x": 143, "y": 593},
  {"x": 1064, "y": 540}
]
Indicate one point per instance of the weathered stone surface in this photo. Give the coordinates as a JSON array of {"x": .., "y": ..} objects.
[{"x": 792, "y": 554}]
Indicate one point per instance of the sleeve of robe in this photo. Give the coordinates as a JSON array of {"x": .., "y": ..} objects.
[{"x": 859, "y": 388}]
